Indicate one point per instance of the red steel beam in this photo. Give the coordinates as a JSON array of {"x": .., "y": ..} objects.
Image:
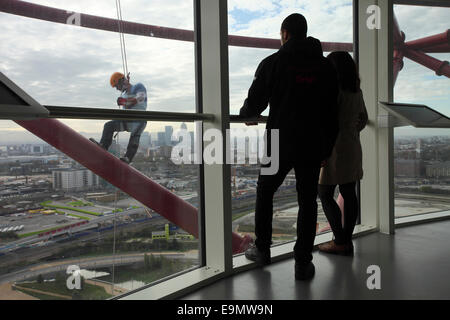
[
  {"x": 265, "y": 43},
  {"x": 440, "y": 67},
  {"x": 50, "y": 14},
  {"x": 121, "y": 175},
  {"x": 443, "y": 48},
  {"x": 431, "y": 41}
]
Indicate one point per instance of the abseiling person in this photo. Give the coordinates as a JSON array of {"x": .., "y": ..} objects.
[{"x": 133, "y": 97}]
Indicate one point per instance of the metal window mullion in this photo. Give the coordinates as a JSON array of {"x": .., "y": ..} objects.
[
  {"x": 368, "y": 56},
  {"x": 215, "y": 101},
  {"x": 386, "y": 134},
  {"x": 199, "y": 110},
  {"x": 375, "y": 57}
]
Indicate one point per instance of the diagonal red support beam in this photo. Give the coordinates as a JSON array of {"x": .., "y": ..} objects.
[
  {"x": 50, "y": 14},
  {"x": 431, "y": 41},
  {"x": 443, "y": 48},
  {"x": 440, "y": 67},
  {"x": 121, "y": 175}
]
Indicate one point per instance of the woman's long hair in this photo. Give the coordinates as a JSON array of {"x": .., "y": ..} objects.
[{"x": 347, "y": 71}]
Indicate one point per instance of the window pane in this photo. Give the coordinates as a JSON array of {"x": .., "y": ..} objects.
[
  {"x": 329, "y": 21},
  {"x": 244, "y": 177},
  {"x": 67, "y": 65},
  {"x": 57, "y": 216},
  {"x": 422, "y": 156}
]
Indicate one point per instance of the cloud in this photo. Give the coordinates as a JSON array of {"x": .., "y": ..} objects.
[
  {"x": 418, "y": 22},
  {"x": 59, "y": 64}
]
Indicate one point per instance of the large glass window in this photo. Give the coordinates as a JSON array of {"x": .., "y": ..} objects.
[
  {"x": 422, "y": 156},
  {"x": 329, "y": 21},
  {"x": 70, "y": 229},
  {"x": 60, "y": 222},
  {"x": 67, "y": 65}
]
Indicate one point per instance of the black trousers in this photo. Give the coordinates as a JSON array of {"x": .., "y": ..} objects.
[
  {"x": 118, "y": 125},
  {"x": 306, "y": 176},
  {"x": 342, "y": 233}
]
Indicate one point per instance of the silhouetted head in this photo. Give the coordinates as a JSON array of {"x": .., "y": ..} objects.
[
  {"x": 346, "y": 69},
  {"x": 294, "y": 25}
]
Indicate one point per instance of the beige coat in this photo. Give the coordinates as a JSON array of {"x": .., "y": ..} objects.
[{"x": 345, "y": 162}]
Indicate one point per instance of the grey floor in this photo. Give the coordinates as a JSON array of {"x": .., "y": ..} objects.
[{"x": 414, "y": 264}]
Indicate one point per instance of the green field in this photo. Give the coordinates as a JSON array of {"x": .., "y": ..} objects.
[
  {"x": 48, "y": 205},
  {"x": 79, "y": 204}
]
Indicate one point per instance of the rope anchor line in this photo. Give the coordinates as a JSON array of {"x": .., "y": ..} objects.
[{"x": 122, "y": 39}]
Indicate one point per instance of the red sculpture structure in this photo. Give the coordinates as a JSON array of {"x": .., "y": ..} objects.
[{"x": 416, "y": 51}]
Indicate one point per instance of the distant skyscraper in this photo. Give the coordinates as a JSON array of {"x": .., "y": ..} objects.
[
  {"x": 183, "y": 126},
  {"x": 146, "y": 140},
  {"x": 168, "y": 132},
  {"x": 161, "y": 139},
  {"x": 191, "y": 133},
  {"x": 418, "y": 147}
]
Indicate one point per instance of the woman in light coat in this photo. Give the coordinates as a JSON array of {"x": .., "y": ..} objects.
[{"x": 344, "y": 167}]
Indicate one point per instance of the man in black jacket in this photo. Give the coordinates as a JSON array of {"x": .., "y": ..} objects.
[{"x": 301, "y": 87}]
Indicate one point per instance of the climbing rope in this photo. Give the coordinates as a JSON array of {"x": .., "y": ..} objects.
[{"x": 123, "y": 51}]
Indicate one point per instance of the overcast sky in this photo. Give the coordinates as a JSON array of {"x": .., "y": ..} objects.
[{"x": 65, "y": 65}]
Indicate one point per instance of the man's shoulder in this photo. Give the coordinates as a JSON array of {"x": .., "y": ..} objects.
[
  {"x": 268, "y": 61},
  {"x": 271, "y": 58}
]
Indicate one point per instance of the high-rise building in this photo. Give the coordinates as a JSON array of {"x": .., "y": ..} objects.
[
  {"x": 37, "y": 149},
  {"x": 74, "y": 180},
  {"x": 146, "y": 140},
  {"x": 191, "y": 133},
  {"x": 168, "y": 133},
  {"x": 161, "y": 139}
]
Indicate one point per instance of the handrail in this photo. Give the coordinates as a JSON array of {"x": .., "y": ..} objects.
[
  {"x": 239, "y": 119},
  {"x": 63, "y": 112}
]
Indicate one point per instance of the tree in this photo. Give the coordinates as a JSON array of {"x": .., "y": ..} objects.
[{"x": 40, "y": 279}]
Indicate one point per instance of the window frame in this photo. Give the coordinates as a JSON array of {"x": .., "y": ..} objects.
[{"x": 212, "y": 110}]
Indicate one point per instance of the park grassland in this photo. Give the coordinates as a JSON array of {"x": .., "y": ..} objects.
[
  {"x": 48, "y": 205},
  {"x": 79, "y": 204}
]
